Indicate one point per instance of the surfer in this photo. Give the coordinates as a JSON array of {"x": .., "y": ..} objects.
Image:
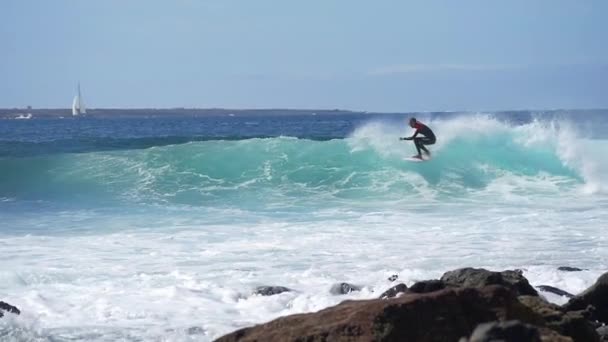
[{"x": 428, "y": 139}]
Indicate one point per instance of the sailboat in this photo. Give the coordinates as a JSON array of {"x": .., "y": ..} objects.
[{"x": 78, "y": 104}]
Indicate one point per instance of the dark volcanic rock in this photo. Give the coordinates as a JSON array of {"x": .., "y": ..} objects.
[
  {"x": 8, "y": 308},
  {"x": 393, "y": 277},
  {"x": 573, "y": 324},
  {"x": 343, "y": 288},
  {"x": 603, "y": 332},
  {"x": 511, "y": 331},
  {"x": 270, "y": 290},
  {"x": 427, "y": 286},
  {"x": 576, "y": 325},
  {"x": 555, "y": 290},
  {"x": 549, "y": 311},
  {"x": 393, "y": 291},
  {"x": 596, "y": 295},
  {"x": 569, "y": 269},
  {"x": 478, "y": 277},
  {"x": 445, "y": 315}
]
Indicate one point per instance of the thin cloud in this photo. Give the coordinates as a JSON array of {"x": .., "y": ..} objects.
[
  {"x": 425, "y": 68},
  {"x": 418, "y": 68}
]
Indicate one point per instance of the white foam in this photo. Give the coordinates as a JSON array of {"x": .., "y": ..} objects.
[
  {"x": 575, "y": 150},
  {"x": 194, "y": 280},
  {"x": 382, "y": 137}
]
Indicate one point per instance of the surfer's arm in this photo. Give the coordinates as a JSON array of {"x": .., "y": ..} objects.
[{"x": 410, "y": 138}]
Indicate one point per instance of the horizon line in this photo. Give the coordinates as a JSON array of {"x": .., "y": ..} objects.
[{"x": 307, "y": 109}]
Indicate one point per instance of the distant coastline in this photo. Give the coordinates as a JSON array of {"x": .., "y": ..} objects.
[
  {"x": 7, "y": 113},
  {"x": 12, "y": 113}
]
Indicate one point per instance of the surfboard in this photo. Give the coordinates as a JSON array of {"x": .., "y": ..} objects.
[{"x": 416, "y": 160}]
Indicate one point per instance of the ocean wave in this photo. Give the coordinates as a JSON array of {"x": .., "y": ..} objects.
[{"x": 475, "y": 153}]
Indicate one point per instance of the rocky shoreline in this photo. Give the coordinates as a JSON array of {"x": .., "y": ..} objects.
[
  {"x": 466, "y": 305},
  {"x": 6, "y": 307}
]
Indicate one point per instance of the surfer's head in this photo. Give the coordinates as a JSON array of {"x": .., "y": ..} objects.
[{"x": 412, "y": 122}]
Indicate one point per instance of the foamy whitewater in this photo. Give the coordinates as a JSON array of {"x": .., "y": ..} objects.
[{"x": 123, "y": 236}]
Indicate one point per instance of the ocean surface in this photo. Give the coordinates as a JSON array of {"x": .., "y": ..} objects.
[{"x": 158, "y": 229}]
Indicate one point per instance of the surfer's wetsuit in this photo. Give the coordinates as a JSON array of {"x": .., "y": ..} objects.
[{"x": 428, "y": 139}]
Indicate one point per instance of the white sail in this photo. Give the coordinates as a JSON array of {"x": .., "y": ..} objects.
[
  {"x": 75, "y": 106},
  {"x": 78, "y": 104}
]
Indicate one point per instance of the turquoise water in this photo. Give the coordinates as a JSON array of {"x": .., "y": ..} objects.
[{"x": 242, "y": 173}]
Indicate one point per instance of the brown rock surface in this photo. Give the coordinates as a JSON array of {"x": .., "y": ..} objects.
[{"x": 445, "y": 315}]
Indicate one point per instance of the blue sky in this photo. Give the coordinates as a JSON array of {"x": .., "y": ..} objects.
[{"x": 362, "y": 55}]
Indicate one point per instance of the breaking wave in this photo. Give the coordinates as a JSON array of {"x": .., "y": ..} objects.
[{"x": 473, "y": 153}]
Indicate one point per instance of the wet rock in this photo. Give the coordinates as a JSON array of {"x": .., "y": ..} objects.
[
  {"x": 343, "y": 288},
  {"x": 479, "y": 277},
  {"x": 548, "y": 335},
  {"x": 510, "y": 331},
  {"x": 573, "y": 324},
  {"x": 6, "y": 307},
  {"x": 519, "y": 282},
  {"x": 393, "y": 291},
  {"x": 427, "y": 286},
  {"x": 445, "y": 315},
  {"x": 514, "y": 331},
  {"x": 548, "y": 311},
  {"x": 576, "y": 325},
  {"x": 393, "y": 277},
  {"x": 195, "y": 331},
  {"x": 270, "y": 290},
  {"x": 603, "y": 333},
  {"x": 569, "y": 269},
  {"x": 596, "y": 295},
  {"x": 555, "y": 290}
]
